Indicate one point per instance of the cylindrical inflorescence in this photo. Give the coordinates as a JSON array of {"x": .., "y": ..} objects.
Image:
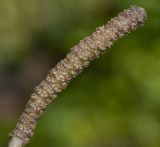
[{"x": 75, "y": 61}]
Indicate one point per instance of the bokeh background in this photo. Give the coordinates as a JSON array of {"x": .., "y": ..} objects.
[{"x": 114, "y": 103}]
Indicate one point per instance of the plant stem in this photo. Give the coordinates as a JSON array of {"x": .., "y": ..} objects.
[{"x": 15, "y": 142}]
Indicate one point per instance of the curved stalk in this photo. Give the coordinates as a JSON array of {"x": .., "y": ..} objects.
[{"x": 73, "y": 64}]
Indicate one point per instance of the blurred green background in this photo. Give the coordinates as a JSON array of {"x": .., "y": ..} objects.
[{"x": 114, "y": 103}]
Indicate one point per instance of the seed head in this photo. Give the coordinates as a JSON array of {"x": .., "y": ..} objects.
[{"x": 75, "y": 61}]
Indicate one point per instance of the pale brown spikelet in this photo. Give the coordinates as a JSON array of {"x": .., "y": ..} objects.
[{"x": 74, "y": 62}]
